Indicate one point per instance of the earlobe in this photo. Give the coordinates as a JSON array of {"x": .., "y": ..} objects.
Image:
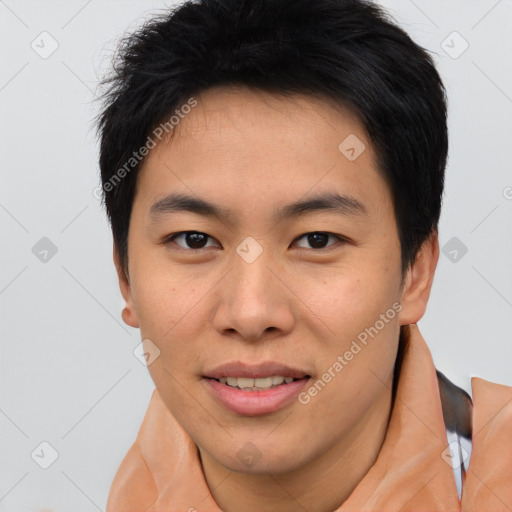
[
  {"x": 129, "y": 317},
  {"x": 129, "y": 313},
  {"x": 418, "y": 282}
]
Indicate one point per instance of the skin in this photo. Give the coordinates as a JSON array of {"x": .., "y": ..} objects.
[{"x": 253, "y": 152}]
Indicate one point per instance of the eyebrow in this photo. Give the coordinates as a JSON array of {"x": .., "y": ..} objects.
[{"x": 326, "y": 201}]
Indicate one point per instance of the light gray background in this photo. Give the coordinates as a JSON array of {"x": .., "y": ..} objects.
[{"x": 68, "y": 373}]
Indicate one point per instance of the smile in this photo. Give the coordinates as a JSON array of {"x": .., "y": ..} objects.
[
  {"x": 255, "y": 384},
  {"x": 255, "y": 397}
]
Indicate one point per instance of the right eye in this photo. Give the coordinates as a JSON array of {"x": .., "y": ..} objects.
[{"x": 194, "y": 240}]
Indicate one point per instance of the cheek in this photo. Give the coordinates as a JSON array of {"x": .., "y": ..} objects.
[
  {"x": 350, "y": 299},
  {"x": 172, "y": 314},
  {"x": 358, "y": 355},
  {"x": 166, "y": 299}
]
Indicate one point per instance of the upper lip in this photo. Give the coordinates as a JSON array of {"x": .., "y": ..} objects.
[{"x": 261, "y": 370}]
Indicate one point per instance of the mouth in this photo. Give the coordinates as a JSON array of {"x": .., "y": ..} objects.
[{"x": 251, "y": 390}]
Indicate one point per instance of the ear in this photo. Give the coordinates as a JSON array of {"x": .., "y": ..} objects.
[
  {"x": 418, "y": 282},
  {"x": 129, "y": 313}
]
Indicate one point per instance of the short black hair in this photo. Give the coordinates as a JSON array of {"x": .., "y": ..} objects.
[{"x": 349, "y": 51}]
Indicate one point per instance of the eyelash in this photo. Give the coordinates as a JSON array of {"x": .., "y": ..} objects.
[{"x": 170, "y": 240}]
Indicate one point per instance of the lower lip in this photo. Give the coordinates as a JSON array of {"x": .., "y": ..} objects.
[{"x": 254, "y": 403}]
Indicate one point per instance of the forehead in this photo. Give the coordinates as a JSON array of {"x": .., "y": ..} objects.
[
  {"x": 221, "y": 111},
  {"x": 242, "y": 146}
]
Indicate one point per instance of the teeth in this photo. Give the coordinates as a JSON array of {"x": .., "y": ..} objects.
[
  {"x": 232, "y": 381},
  {"x": 244, "y": 382},
  {"x": 262, "y": 383},
  {"x": 258, "y": 384}
]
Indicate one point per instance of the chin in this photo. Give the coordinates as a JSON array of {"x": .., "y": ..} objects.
[{"x": 251, "y": 460}]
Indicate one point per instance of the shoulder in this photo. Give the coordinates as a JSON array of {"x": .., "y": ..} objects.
[
  {"x": 493, "y": 406},
  {"x": 489, "y": 477},
  {"x": 464, "y": 415}
]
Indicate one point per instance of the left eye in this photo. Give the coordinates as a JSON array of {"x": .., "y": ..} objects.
[{"x": 319, "y": 239}]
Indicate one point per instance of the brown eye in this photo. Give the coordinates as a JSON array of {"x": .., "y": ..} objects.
[
  {"x": 319, "y": 239},
  {"x": 192, "y": 239}
]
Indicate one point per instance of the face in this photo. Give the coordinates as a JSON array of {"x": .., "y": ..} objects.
[{"x": 283, "y": 261}]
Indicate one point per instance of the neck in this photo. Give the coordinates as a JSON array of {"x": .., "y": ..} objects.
[{"x": 323, "y": 485}]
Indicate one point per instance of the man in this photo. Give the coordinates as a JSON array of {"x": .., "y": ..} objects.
[{"x": 273, "y": 173}]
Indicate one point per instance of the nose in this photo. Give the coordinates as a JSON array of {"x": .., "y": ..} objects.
[{"x": 255, "y": 301}]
